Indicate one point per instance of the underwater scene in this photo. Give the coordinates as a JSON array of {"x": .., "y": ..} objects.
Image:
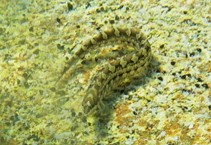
[{"x": 105, "y": 72}]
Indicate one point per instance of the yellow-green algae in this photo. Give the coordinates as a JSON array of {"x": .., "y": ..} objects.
[{"x": 172, "y": 107}]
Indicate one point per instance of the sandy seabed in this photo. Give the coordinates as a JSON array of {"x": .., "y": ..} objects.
[{"x": 171, "y": 105}]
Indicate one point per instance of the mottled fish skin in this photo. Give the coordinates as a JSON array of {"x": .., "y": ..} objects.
[{"x": 130, "y": 65}]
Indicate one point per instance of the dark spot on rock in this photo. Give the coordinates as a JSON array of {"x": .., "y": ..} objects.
[
  {"x": 199, "y": 79},
  {"x": 84, "y": 119},
  {"x": 205, "y": 86},
  {"x": 31, "y": 29},
  {"x": 192, "y": 54},
  {"x": 73, "y": 114},
  {"x": 185, "y": 12},
  {"x": 102, "y": 8},
  {"x": 74, "y": 127},
  {"x": 120, "y": 7},
  {"x": 26, "y": 75},
  {"x": 111, "y": 21},
  {"x": 53, "y": 89},
  {"x": 69, "y": 6},
  {"x": 60, "y": 47},
  {"x": 197, "y": 85},
  {"x": 158, "y": 71},
  {"x": 67, "y": 58},
  {"x": 130, "y": 97},
  {"x": 88, "y": 5},
  {"x": 160, "y": 78},
  {"x": 36, "y": 52},
  {"x": 69, "y": 51},
  {"x": 162, "y": 46},
  {"x": 58, "y": 20},
  {"x": 185, "y": 108},
  {"x": 33, "y": 137},
  {"x": 167, "y": 7},
  {"x": 134, "y": 113},
  {"x": 199, "y": 50},
  {"x": 189, "y": 75},
  {"x": 173, "y": 63},
  {"x": 85, "y": 133},
  {"x": 116, "y": 17},
  {"x": 80, "y": 114},
  {"x": 185, "y": 76},
  {"x": 98, "y": 10},
  {"x": 186, "y": 55},
  {"x": 98, "y": 28}
]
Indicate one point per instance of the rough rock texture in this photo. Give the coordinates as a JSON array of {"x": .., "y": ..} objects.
[{"x": 171, "y": 104}]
